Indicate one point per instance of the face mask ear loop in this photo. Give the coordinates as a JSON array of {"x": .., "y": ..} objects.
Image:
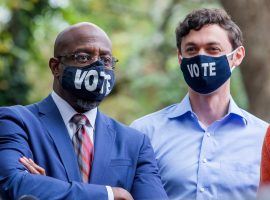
[
  {"x": 233, "y": 67},
  {"x": 230, "y": 55}
]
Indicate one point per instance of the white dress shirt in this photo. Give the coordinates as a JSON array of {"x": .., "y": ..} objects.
[{"x": 67, "y": 112}]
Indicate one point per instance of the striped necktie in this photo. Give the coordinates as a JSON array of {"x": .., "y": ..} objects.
[{"x": 83, "y": 146}]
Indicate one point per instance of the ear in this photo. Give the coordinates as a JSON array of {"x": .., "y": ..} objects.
[
  {"x": 179, "y": 55},
  {"x": 238, "y": 56},
  {"x": 55, "y": 66}
]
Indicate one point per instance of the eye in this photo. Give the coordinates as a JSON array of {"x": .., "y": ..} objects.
[
  {"x": 82, "y": 57},
  {"x": 107, "y": 60},
  {"x": 190, "y": 49},
  {"x": 214, "y": 50}
]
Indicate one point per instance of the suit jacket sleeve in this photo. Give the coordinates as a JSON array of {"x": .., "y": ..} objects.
[
  {"x": 15, "y": 180},
  {"x": 147, "y": 183}
]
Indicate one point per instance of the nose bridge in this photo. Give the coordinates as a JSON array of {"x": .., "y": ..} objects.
[
  {"x": 202, "y": 51},
  {"x": 94, "y": 51},
  {"x": 96, "y": 56}
]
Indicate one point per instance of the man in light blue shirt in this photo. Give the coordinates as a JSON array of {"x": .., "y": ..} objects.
[{"x": 206, "y": 146}]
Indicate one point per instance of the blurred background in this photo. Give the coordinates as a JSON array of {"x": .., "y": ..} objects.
[{"x": 142, "y": 32}]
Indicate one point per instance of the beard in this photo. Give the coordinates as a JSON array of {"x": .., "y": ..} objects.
[
  {"x": 86, "y": 105},
  {"x": 78, "y": 103}
]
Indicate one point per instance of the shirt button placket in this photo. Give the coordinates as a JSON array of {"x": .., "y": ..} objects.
[{"x": 204, "y": 170}]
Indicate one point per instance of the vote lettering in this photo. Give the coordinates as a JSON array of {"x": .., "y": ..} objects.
[
  {"x": 206, "y": 69},
  {"x": 85, "y": 77}
]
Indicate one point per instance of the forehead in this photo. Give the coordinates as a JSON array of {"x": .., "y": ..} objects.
[
  {"x": 208, "y": 34},
  {"x": 85, "y": 39}
]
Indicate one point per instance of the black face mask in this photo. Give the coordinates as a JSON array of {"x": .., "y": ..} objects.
[
  {"x": 205, "y": 74},
  {"x": 91, "y": 83}
]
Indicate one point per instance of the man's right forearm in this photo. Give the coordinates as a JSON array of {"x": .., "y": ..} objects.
[
  {"x": 44, "y": 187},
  {"x": 113, "y": 193}
]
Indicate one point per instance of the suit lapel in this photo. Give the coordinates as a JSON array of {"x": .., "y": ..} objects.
[
  {"x": 52, "y": 120},
  {"x": 104, "y": 140}
]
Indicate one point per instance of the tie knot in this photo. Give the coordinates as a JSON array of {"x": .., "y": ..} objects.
[{"x": 80, "y": 120}]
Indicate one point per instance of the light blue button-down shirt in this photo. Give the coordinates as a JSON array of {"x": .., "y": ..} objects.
[{"x": 220, "y": 162}]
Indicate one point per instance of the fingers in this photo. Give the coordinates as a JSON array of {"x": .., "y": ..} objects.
[
  {"x": 121, "y": 194},
  {"x": 32, "y": 166},
  {"x": 37, "y": 167},
  {"x": 28, "y": 165}
]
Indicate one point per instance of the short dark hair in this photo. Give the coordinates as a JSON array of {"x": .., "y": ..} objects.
[{"x": 198, "y": 18}]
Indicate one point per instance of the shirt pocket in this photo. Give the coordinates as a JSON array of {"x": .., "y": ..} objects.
[
  {"x": 238, "y": 180},
  {"x": 119, "y": 173}
]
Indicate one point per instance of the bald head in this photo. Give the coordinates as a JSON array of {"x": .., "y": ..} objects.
[{"x": 80, "y": 34}]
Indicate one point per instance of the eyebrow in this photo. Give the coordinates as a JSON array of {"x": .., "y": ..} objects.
[
  {"x": 102, "y": 51},
  {"x": 207, "y": 44}
]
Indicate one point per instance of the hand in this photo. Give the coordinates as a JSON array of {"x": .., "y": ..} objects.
[
  {"x": 32, "y": 167},
  {"x": 121, "y": 194}
]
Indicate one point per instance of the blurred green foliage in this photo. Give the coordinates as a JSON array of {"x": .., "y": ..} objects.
[{"x": 142, "y": 32}]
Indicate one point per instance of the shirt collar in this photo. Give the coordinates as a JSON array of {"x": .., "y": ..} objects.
[
  {"x": 67, "y": 112},
  {"x": 185, "y": 107},
  {"x": 182, "y": 108},
  {"x": 235, "y": 110}
]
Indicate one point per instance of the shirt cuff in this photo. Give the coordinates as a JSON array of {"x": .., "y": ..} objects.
[{"x": 110, "y": 193}]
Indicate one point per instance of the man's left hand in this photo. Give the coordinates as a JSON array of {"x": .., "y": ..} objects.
[{"x": 32, "y": 166}]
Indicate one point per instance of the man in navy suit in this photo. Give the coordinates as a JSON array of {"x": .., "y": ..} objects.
[{"x": 86, "y": 154}]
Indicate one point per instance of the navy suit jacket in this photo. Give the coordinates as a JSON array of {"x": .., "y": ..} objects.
[{"x": 123, "y": 157}]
